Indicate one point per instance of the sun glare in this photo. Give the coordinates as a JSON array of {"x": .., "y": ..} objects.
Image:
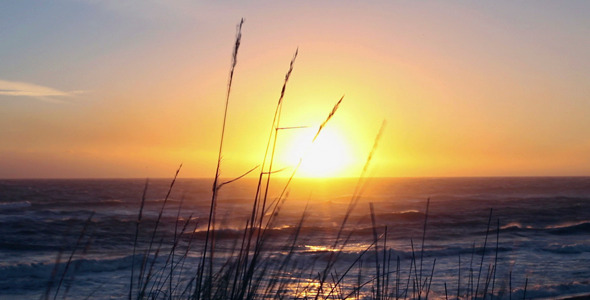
[{"x": 328, "y": 156}]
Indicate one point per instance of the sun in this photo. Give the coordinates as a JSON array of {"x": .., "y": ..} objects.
[{"x": 328, "y": 156}]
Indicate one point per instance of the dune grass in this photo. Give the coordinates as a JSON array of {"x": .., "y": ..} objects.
[{"x": 253, "y": 271}]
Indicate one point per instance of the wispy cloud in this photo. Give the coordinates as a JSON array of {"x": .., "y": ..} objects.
[{"x": 24, "y": 89}]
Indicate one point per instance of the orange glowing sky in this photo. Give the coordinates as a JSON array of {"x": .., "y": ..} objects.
[{"x": 98, "y": 89}]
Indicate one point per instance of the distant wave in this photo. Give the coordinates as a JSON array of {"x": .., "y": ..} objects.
[
  {"x": 516, "y": 228},
  {"x": 576, "y": 228},
  {"x": 10, "y": 275},
  {"x": 582, "y": 227},
  {"x": 567, "y": 249},
  {"x": 514, "y": 225},
  {"x": 406, "y": 215},
  {"x": 280, "y": 232},
  {"x": 27, "y": 246},
  {"x": 402, "y": 254},
  {"x": 14, "y": 205},
  {"x": 111, "y": 201},
  {"x": 567, "y": 290}
]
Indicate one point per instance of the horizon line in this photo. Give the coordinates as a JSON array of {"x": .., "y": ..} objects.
[{"x": 305, "y": 178}]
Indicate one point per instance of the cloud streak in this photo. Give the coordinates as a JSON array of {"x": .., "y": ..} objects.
[{"x": 24, "y": 89}]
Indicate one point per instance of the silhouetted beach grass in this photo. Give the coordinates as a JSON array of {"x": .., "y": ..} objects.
[{"x": 247, "y": 263}]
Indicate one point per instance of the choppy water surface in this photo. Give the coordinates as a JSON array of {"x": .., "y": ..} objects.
[{"x": 543, "y": 241}]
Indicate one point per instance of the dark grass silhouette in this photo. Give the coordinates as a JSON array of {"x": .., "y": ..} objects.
[{"x": 251, "y": 271}]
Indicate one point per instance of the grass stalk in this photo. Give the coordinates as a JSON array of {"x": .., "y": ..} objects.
[
  {"x": 354, "y": 199},
  {"x": 430, "y": 281},
  {"x": 526, "y": 283},
  {"x": 170, "y": 259},
  {"x": 470, "y": 281},
  {"x": 483, "y": 254},
  {"x": 71, "y": 257},
  {"x": 496, "y": 258},
  {"x": 139, "y": 217},
  {"x": 422, "y": 248},
  {"x": 77, "y": 265},
  {"x": 153, "y": 237},
  {"x": 210, "y": 223},
  {"x": 260, "y": 199},
  {"x": 377, "y": 265},
  {"x": 397, "y": 278}
]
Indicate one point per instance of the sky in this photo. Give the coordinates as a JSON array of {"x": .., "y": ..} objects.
[{"x": 117, "y": 89}]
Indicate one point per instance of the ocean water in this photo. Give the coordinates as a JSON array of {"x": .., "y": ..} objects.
[{"x": 75, "y": 238}]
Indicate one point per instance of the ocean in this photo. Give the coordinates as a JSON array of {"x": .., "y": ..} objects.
[{"x": 432, "y": 238}]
